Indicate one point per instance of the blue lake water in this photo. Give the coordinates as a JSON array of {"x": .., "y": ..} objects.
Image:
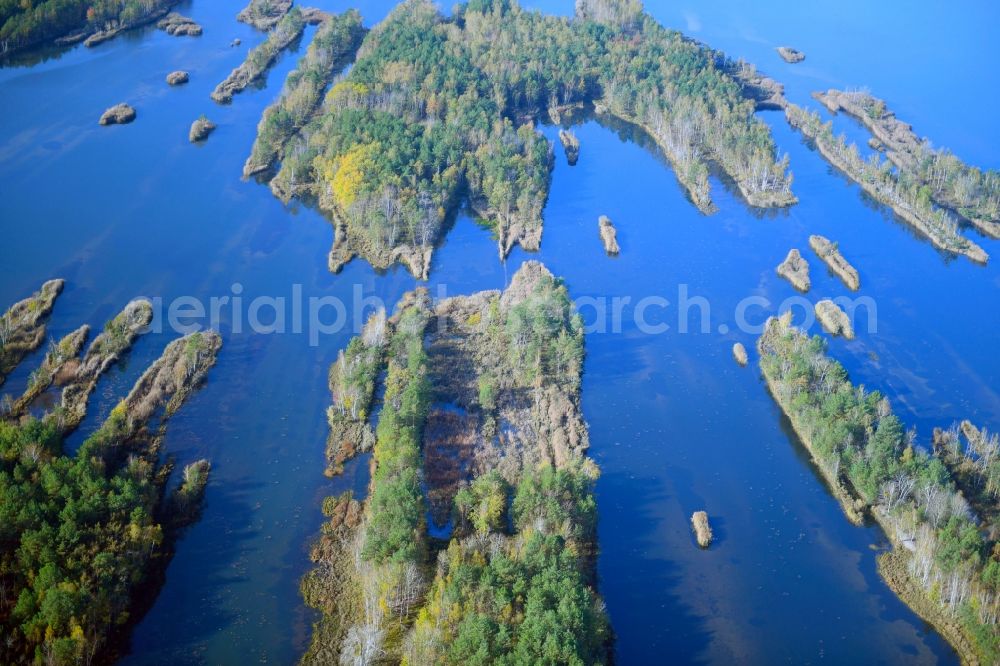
[{"x": 675, "y": 425}]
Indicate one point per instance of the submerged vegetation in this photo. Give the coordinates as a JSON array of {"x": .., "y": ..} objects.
[
  {"x": 941, "y": 563},
  {"x": 437, "y": 109},
  {"x": 83, "y": 535},
  {"x": 515, "y": 582}
]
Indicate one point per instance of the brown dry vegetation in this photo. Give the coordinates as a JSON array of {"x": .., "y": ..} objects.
[
  {"x": 571, "y": 145},
  {"x": 178, "y": 25},
  {"x": 829, "y": 252},
  {"x": 740, "y": 354},
  {"x": 264, "y": 14},
  {"x": 59, "y": 364},
  {"x": 795, "y": 269},
  {"x": 22, "y": 326},
  {"x": 834, "y": 320},
  {"x": 117, "y": 336},
  {"x": 702, "y": 530},
  {"x": 609, "y": 235}
]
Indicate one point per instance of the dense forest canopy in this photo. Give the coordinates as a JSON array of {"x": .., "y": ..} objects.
[
  {"x": 514, "y": 584},
  {"x": 81, "y": 532},
  {"x": 25, "y": 23},
  {"x": 436, "y": 108},
  {"x": 861, "y": 445}
]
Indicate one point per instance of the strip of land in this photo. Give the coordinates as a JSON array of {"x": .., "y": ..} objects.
[
  {"x": 260, "y": 59},
  {"x": 970, "y": 192},
  {"x": 86, "y": 537},
  {"x": 940, "y": 564}
]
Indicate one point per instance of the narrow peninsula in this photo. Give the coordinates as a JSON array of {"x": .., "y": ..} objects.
[
  {"x": 334, "y": 46},
  {"x": 103, "y": 512},
  {"x": 22, "y": 326},
  {"x": 970, "y": 192},
  {"x": 260, "y": 59},
  {"x": 893, "y": 188},
  {"x": 940, "y": 564}
]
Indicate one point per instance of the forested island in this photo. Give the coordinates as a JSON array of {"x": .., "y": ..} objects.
[
  {"x": 940, "y": 564},
  {"x": 85, "y": 536},
  {"x": 27, "y": 24},
  {"x": 970, "y": 192},
  {"x": 480, "y": 441},
  {"x": 911, "y": 199},
  {"x": 440, "y": 109}
]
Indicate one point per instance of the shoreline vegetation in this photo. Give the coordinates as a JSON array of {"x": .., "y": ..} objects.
[
  {"x": 795, "y": 269},
  {"x": 264, "y": 14},
  {"x": 911, "y": 201},
  {"x": 480, "y": 442},
  {"x": 334, "y": 46},
  {"x": 57, "y": 365},
  {"x": 969, "y": 192},
  {"x": 609, "y": 235},
  {"x": 438, "y": 110},
  {"x": 940, "y": 564},
  {"x": 260, "y": 58},
  {"x": 829, "y": 252},
  {"x": 22, "y": 326},
  {"x": 64, "y": 22},
  {"x": 107, "y": 348},
  {"x": 85, "y": 537}
]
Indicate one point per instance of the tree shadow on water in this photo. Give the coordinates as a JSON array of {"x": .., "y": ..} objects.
[
  {"x": 644, "y": 589},
  {"x": 175, "y": 620}
]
